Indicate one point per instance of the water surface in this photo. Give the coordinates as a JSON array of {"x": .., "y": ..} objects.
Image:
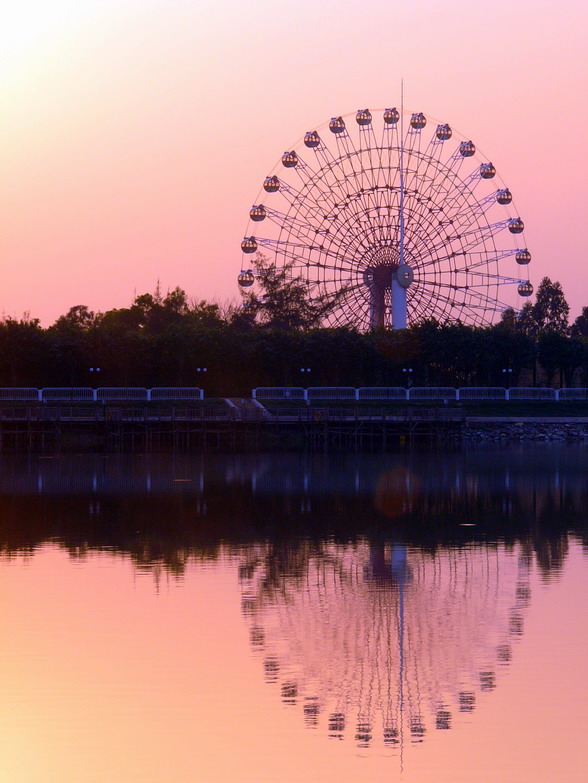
[{"x": 285, "y": 617}]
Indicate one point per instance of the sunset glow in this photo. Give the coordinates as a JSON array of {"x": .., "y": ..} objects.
[{"x": 136, "y": 135}]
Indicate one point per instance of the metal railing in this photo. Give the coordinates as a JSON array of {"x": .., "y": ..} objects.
[
  {"x": 66, "y": 393},
  {"x": 482, "y": 393},
  {"x": 381, "y": 393},
  {"x": 279, "y": 393},
  {"x": 122, "y": 393},
  {"x": 176, "y": 393},
  {"x": 573, "y": 394},
  {"x": 102, "y": 394},
  {"x": 331, "y": 393},
  {"x": 293, "y": 393},
  {"x": 432, "y": 393},
  {"x": 418, "y": 393},
  {"x": 532, "y": 393},
  {"x": 20, "y": 394}
]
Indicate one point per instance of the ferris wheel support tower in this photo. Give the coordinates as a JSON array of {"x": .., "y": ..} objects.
[{"x": 398, "y": 314}]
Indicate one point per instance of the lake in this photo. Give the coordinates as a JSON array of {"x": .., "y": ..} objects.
[{"x": 289, "y": 617}]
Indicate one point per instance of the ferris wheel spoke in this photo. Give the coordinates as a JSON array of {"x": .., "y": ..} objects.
[
  {"x": 467, "y": 259},
  {"x": 477, "y": 300},
  {"x": 391, "y": 156},
  {"x": 467, "y": 209},
  {"x": 426, "y": 162},
  {"x": 446, "y": 180},
  {"x": 469, "y": 240},
  {"x": 313, "y": 196},
  {"x": 488, "y": 257},
  {"x": 293, "y": 234},
  {"x": 283, "y": 220},
  {"x": 432, "y": 306},
  {"x": 360, "y": 220},
  {"x": 334, "y": 178},
  {"x": 381, "y": 167},
  {"x": 315, "y": 187},
  {"x": 469, "y": 217},
  {"x": 314, "y": 253},
  {"x": 348, "y": 155},
  {"x": 354, "y": 298},
  {"x": 494, "y": 278},
  {"x": 480, "y": 234},
  {"x": 375, "y": 156}
]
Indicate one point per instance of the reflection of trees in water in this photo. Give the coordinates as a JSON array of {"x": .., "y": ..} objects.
[
  {"x": 166, "y": 512},
  {"x": 381, "y": 641}
]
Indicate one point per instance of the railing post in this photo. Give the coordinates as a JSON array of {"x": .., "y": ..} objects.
[{"x": 507, "y": 395}]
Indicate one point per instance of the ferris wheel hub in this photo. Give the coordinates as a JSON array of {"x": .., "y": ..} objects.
[{"x": 404, "y": 275}]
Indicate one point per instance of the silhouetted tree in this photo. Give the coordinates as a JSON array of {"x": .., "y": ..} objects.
[
  {"x": 580, "y": 325},
  {"x": 550, "y": 311},
  {"x": 286, "y": 300},
  {"x": 25, "y": 358},
  {"x": 558, "y": 353},
  {"x": 526, "y": 322}
]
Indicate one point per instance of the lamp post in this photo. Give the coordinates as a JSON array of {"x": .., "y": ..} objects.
[
  {"x": 201, "y": 379},
  {"x": 507, "y": 375},
  {"x": 407, "y": 376}
]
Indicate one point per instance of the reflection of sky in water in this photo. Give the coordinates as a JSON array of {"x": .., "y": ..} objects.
[
  {"x": 384, "y": 643},
  {"x": 383, "y": 601}
]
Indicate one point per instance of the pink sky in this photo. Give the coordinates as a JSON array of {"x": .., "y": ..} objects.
[{"x": 136, "y": 135}]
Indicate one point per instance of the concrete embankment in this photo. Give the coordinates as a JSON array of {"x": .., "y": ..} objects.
[{"x": 547, "y": 428}]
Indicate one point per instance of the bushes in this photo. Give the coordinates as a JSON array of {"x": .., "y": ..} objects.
[{"x": 163, "y": 341}]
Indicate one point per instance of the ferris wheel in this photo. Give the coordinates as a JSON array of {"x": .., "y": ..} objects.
[{"x": 394, "y": 224}]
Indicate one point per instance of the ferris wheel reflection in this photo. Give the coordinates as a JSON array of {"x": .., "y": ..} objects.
[{"x": 378, "y": 642}]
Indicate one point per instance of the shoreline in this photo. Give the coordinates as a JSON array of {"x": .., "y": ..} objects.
[{"x": 316, "y": 433}]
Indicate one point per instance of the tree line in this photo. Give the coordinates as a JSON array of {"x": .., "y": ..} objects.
[{"x": 274, "y": 338}]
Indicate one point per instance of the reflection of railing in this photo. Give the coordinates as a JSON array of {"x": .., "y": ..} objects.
[
  {"x": 126, "y": 414},
  {"x": 317, "y": 415},
  {"x": 416, "y": 393}
]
